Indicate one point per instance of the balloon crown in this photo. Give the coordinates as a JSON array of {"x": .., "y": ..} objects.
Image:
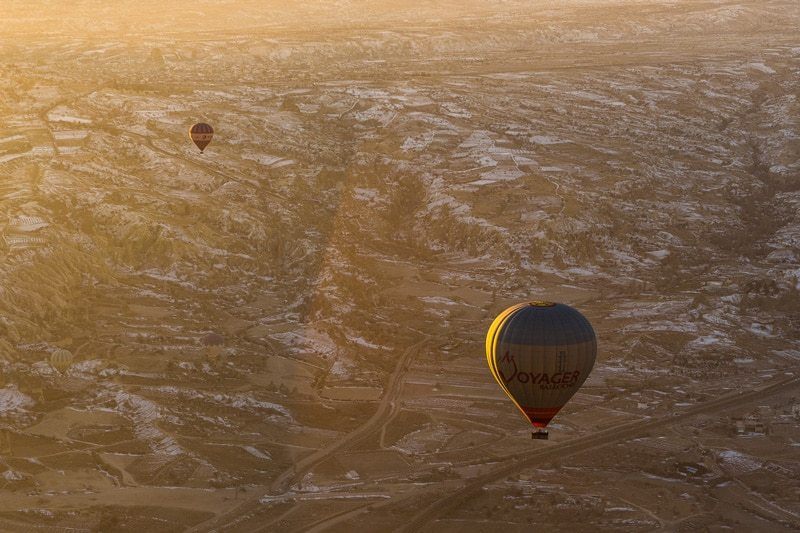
[{"x": 541, "y": 303}]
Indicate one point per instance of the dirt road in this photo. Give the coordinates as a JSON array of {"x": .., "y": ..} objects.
[{"x": 450, "y": 501}]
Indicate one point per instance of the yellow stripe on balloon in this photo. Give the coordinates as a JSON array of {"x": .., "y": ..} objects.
[{"x": 492, "y": 341}]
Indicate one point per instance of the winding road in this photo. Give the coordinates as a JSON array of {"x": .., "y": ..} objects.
[
  {"x": 385, "y": 408},
  {"x": 296, "y": 473}
]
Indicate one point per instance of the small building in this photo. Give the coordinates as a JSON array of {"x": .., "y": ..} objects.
[{"x": 749, "y": 425}]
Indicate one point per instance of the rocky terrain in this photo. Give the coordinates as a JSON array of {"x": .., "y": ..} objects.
[{"x": 286, "y": 331}]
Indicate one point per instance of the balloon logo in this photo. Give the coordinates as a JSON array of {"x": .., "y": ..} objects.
[
  {"x": 540, "y": 353},
  {"x": 201, "y": 134}
]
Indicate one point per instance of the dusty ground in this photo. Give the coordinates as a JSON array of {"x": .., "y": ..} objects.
[{"x": 378, "y": 189}]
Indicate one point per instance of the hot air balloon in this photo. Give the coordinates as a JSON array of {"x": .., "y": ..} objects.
[
  {"x": 213, "y": 344},
  {"x": 61, "y": 360},
  {"x": 212, "y": 339},
  {"x": 201, "y": 134},
  {"x": 540, "y": 353}
]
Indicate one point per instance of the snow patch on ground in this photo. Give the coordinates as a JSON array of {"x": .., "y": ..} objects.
[
  {"x": 257, "y": 453},
  {"x": 62, "y": 114},
  {"x": 501, "y": 174},
  {"x": 738, "y": 461},
  {"x": 268, "y": 160},
  {"x": 145, "y": 414},
  {"x": 546, "y": 139},
  {"x": 761, "y": 67},
  {"x": 371, "y": 196},
  {"x": 419, "y": 142},
  {"x": 13, "y": 401}
]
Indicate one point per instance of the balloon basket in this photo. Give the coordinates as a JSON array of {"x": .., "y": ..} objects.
[{"x": 540, "y": 434}]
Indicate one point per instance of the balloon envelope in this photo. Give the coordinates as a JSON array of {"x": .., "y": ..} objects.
[
  {"x": 201, "y": 134},
  {"x": 540, "y": 353},
  {"x": 212, "y": 339},
  {"x": 61, "y": 359}
]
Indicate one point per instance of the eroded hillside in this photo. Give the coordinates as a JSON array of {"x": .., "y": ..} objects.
[{"x": 374, "y": 195}]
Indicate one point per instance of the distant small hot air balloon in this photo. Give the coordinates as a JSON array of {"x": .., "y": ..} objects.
[
  {"x": 201, "y": 134},
  {"x": 61, "y": 360},
  {"x": 540, "y": 353},
  {"x": 213, "y": 344},
  {"x": 212, "y": 339}
]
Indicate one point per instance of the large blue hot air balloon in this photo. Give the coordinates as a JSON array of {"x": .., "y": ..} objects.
[{"x": 540, "y": 353}]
